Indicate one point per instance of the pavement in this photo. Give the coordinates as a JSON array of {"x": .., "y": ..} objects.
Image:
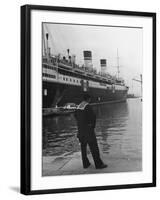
[{"x": 72, "y": 164}]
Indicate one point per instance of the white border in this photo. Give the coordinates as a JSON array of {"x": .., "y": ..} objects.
[{"x": 42, "y": 183}]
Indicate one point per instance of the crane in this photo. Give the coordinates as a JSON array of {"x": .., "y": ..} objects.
[{"x": 140, "y": 81}]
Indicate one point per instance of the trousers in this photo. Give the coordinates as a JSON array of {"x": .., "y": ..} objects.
[{"x": 94, "y": 151}]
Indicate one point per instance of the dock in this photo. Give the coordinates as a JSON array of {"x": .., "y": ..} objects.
[
  {"x": 72, "y": 164},
  {"x": 56, "y": 112}
]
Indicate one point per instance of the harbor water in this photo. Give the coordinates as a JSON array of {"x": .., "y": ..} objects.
[{"x": 118, "y": 130}]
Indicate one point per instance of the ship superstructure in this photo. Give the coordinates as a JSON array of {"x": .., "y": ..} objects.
[{"x": 64, "y": 81}]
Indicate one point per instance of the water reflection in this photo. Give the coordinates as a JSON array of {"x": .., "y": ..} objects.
[
  {"x": 111, "y": 121},
  {"x": 59, "y": 135},
  {"x": 118, "y": 130}
]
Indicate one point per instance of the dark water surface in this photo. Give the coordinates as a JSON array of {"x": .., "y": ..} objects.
[{"x": 118, "y": 130}]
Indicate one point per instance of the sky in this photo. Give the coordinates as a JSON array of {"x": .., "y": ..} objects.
[{"x": 103, "y": 41}]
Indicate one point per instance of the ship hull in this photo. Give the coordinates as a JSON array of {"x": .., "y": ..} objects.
[{"x": 60, "y": 94}]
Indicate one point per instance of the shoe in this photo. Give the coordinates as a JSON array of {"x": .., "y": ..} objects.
[
  {"x": 102, "y": 166},
  {"x": 85, "y": 167}
]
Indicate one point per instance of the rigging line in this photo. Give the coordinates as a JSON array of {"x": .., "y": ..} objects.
[
  {"x": 50, "y": 38},
  {"x": 58, "y": 40},
  {"x": 64, "y": 41},
  {"x": 43, "y": 41}
]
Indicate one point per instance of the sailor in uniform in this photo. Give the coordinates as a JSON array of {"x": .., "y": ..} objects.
[{"x": 86, "y": 121}]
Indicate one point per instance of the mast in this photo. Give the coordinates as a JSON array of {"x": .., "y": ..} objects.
[
  {"x": 118, "y": 71},
  {"x": 47, "y": 47},
  {"x": 141, "y": 84},
  {"x": 44, "y": 45}
]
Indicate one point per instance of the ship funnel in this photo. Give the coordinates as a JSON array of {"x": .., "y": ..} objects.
[
  {"x": 88, "y": 59},
  {"x": 103, "y": 63}
]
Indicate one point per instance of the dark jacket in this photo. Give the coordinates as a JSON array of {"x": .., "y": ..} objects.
[{"x": 86, "y": 122}]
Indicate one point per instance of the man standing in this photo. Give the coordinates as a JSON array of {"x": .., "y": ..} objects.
[{"x": 86, "y": 121}]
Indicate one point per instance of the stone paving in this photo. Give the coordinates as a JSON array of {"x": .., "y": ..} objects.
[{"x": 72, "y": 164}]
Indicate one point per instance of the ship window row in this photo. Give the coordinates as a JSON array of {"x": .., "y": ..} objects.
[
  {"x": 49, "y": 75},
  {"x": 70, "y": 79},
  {"x": 69, "y": 73},
  {"x": 49, "y": 67}
]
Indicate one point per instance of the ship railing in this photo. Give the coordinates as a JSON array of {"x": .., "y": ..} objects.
[
  {"x": 49, "y": 65},
  {"x": 66, "y": 62},
  {"x": 64, "y": 65},
  {"x": 79, "y": 70}
]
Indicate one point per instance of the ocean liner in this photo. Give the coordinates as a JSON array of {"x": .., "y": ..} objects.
[{"x": 64, "y": 81}]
